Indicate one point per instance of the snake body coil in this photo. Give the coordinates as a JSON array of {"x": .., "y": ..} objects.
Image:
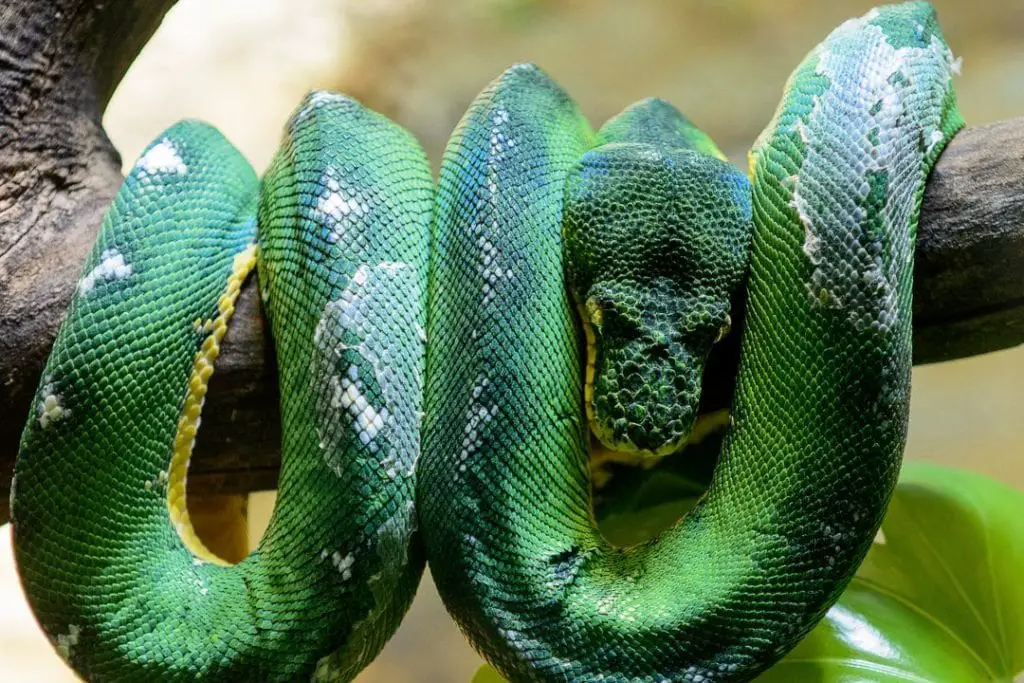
[
  {"x": 106, "y": 552},
  {"x": 382, "y": 321}
]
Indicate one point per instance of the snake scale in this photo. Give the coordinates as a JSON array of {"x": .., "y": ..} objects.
[{"x": 444, "y": 352}]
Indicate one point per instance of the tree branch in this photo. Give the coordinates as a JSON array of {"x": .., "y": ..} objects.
[
  {"x": 58, "y": 172},
  {"x": 969, "y": 276}
]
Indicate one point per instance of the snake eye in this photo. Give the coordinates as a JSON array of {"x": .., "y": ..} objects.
[{"x": 724, "y": 329}]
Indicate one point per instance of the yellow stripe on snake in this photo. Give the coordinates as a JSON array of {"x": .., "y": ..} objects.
[{"x": 443, "y": 353}]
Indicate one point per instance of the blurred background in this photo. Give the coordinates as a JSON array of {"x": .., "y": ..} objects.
[{"x": 244, "y": 64}]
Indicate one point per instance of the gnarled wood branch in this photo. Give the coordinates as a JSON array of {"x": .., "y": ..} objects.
[{"x": 59, "y": 63}]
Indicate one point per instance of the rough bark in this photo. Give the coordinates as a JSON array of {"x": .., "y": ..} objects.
[
  {"x": 58, "y": 172},
  {"x": 969, "y": 277}
]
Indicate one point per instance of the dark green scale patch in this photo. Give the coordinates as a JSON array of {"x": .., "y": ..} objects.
[
  {"x": 874, "y": 205},
  {"x": 911, "y": 24},
  {"x": 656, "y": 240}
]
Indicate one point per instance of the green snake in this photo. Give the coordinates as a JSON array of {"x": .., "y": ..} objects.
[{"x": 444, "y": 352}]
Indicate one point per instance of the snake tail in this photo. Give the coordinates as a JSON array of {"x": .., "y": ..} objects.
[{"x": 820, "y": 412}]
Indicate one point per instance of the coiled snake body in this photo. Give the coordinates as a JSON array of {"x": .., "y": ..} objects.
[{"x": 402, "y": 312}]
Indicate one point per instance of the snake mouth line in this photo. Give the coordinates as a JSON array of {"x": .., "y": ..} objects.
[
  {"x": 188, "y": 421},
  {"x": 588, "y": 382}
]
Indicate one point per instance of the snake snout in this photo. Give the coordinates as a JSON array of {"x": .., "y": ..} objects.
[{"x": 646, "y": 383}]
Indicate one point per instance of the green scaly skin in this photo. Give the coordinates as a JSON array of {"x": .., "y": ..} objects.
[
  {"x": 819, "y": 418},
  {"x": 502, "y": 486},
  {"x": 344, "y": 219}
]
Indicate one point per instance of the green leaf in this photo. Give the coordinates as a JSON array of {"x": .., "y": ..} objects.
[
  {"x": 486, "y": 674},
  {"x": 940, "y": 596}
]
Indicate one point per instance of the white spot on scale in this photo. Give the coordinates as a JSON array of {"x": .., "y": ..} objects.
[
  {"x": 488, "y": 264},
  {"x": 479, "y": 413},
  {"x": 66, "y": 642},
  {"x": 318, "y": 99},
  {"x": 50, "y": 409},
  {"x": 393, "y": 536},
  {"x": 392, "y": 267},
  {"x": 361, "y": 275},
  {"x": 934, "y": 139},
  {"x": 877, "y": 104},
  {"x": 811, "y": 243},
  {"x": 333, "y": 206},
  {"x": 345, "y": 383},
  {"x": 391, "y": 542},
  {"x": 342, "y": 564},
  {"x": 162, "y": 157},
  {"x": 335, "y": 203},
  {"x": 112, "y": 266},
  {"x": 801, "y": 130},
  {"x": 348, "y": 396},
  {"x": 879, "y": 538}
]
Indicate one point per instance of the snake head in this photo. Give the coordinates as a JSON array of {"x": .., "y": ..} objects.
[{"x": 656, "y": 242}]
